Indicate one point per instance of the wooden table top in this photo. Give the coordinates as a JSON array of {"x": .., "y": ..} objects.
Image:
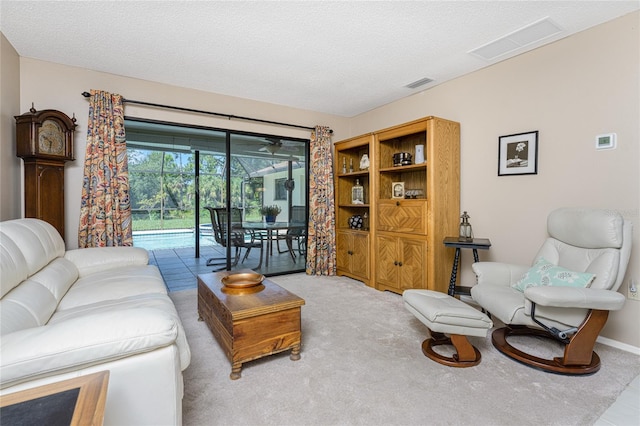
[
  {"x": 247, "y": 304},
  {"x": 477, "y": 243},
  {"x": 89, "y": 407}
]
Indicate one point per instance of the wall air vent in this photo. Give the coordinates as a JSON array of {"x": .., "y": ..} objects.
[
  {"x": 419, "y": 83},
  {"x": 525, "y": 36}
]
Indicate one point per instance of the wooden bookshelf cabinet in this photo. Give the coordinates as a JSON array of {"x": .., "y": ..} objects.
[
  {"x": 353, "y": 245},
  {"x": 405, "y": 235}
]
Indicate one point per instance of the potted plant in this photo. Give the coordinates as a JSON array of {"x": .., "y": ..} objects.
[{"x": 270, "y": 212}]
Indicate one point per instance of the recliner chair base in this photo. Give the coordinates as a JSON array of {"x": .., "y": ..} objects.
[{"x": 556, "y": 365}]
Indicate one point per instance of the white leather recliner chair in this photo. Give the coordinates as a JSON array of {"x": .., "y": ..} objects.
[{"x": 567, "y": 294}]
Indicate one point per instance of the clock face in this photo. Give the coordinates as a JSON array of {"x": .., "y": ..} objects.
[{"x": 51, "y": 138}]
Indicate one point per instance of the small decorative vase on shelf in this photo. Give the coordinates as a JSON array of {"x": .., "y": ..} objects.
[
  {"x": 419, "y": 154},
  {"x": 357, "y": 193},
  {"x": 355, "y": 222}
]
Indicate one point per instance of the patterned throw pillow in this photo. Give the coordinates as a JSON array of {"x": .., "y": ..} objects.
[{"x": 543, "y": 273}]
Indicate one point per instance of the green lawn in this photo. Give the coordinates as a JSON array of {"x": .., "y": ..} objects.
[
  {"x": 155, "y": 224},
  {"x": 140, "y": 223}
]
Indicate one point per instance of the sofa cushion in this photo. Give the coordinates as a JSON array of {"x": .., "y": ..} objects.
[
  {"x": 37, "y": 241},
  {"x": 32, "y": 303},
  {"x": 98, "y": 259},
  {"x": 158, "y": 301},
  {"x": 113, "y": 284},
  {"x": 86, "y": 340},
  {"x": 13, "y": 265}
]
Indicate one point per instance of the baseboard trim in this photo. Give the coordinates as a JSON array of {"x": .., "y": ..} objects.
[{"x": 619, "y": 345}]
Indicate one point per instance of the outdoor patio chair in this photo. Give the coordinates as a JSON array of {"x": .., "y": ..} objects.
[{"x": 239, "y": 238}]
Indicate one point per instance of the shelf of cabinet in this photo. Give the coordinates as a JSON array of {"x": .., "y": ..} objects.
[
  {"x": 400, "y": 169},
  {"x": 357, "y": 231},
  {"x": 354, "y": 205},
  {"x": 354, "y": 174}
]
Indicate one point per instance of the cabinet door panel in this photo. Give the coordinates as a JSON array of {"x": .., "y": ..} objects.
[
  {"x": 343, "y": 244},
  {"x": 413, "y": 271},
  {"x": 360, "y": 257},
  {"x": 402, "y": 216},
  {"x": 387, "y": 254}
]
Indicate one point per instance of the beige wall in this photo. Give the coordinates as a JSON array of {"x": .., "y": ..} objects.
[
  {"x": 570, "y": 91},
  {"x": 10, "y": 165},
  {"x": 57, "y": 86}
]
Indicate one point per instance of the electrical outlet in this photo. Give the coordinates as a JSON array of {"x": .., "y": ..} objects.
[{"x": 634, "y": 291}]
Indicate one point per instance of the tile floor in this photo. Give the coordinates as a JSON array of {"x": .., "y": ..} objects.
[
  {"x": 626, "y": 410},
  {"x": 179, "y": 269}
]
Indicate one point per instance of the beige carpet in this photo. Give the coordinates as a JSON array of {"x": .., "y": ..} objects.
[{"x": 362, "y": 365}]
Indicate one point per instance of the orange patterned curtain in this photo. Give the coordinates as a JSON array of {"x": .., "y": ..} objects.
[
  {"x": 321, "y": 243},
  {"x": 105, "y": 210}
]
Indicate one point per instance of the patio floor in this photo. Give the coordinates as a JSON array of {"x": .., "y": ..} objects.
[{"x": 180, "y": 268}]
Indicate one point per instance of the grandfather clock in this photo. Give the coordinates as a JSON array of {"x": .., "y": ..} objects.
[{"x": 44, "y": 140}]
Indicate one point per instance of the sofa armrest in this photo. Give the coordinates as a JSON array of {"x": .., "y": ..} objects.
[
  {"x": 83, "y": 341},
  {"x": 572, "y": 297},
  {"x": 497, "y": 273},
  {"x": 96, "y": 259}
]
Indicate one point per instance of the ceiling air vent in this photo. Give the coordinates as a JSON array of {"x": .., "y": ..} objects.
[
  {"x": 522, "y": 37},
  {"x": 419, "y": 83}
]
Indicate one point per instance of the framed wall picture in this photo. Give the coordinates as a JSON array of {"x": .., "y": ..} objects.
[
  {"x": 518, "y": 154},
  {"x": 397, "y": 189}
]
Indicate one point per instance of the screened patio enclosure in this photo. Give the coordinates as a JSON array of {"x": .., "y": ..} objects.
[{"x": 182, "y": 176}]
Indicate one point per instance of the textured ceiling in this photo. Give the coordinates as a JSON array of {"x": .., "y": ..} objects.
[{"x": 340, "y": 58}]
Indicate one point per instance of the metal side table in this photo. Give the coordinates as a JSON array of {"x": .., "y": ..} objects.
[{"x": 475, "y": 244}]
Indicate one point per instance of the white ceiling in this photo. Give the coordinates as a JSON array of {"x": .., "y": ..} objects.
[{"x": 342, "y": 58}]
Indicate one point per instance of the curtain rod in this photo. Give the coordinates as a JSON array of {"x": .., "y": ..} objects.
[{"x": 229, "y": 116}]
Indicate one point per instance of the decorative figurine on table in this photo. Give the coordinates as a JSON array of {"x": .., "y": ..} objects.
[{"x": 466, "y": 233}]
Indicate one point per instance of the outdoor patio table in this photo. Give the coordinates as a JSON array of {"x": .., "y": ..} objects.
[{"x": 269, "y": 228}]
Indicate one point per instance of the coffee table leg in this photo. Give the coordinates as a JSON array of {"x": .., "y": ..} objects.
[
  {"x": 235, "y": 371},
  {"x": 295, "y": 353}
]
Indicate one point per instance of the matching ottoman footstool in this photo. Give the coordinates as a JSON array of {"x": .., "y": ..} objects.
[{"x": 442, "y": 314}]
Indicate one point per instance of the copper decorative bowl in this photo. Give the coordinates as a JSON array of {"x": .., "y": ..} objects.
[{"x": 242, "y": 280}]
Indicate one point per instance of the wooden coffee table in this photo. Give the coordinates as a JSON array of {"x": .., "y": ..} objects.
[{"x": 250, "y": 323}]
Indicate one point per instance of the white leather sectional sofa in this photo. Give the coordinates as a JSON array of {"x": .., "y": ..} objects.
[{"x": 65, "y": 314}]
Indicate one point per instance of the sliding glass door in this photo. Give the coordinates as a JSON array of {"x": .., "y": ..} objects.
[
  {"x": 269, "y": 187},
  {"x": 206, "y": 190}
]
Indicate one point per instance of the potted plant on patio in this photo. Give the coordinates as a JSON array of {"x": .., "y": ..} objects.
[{"x": 270, "y": 212}]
